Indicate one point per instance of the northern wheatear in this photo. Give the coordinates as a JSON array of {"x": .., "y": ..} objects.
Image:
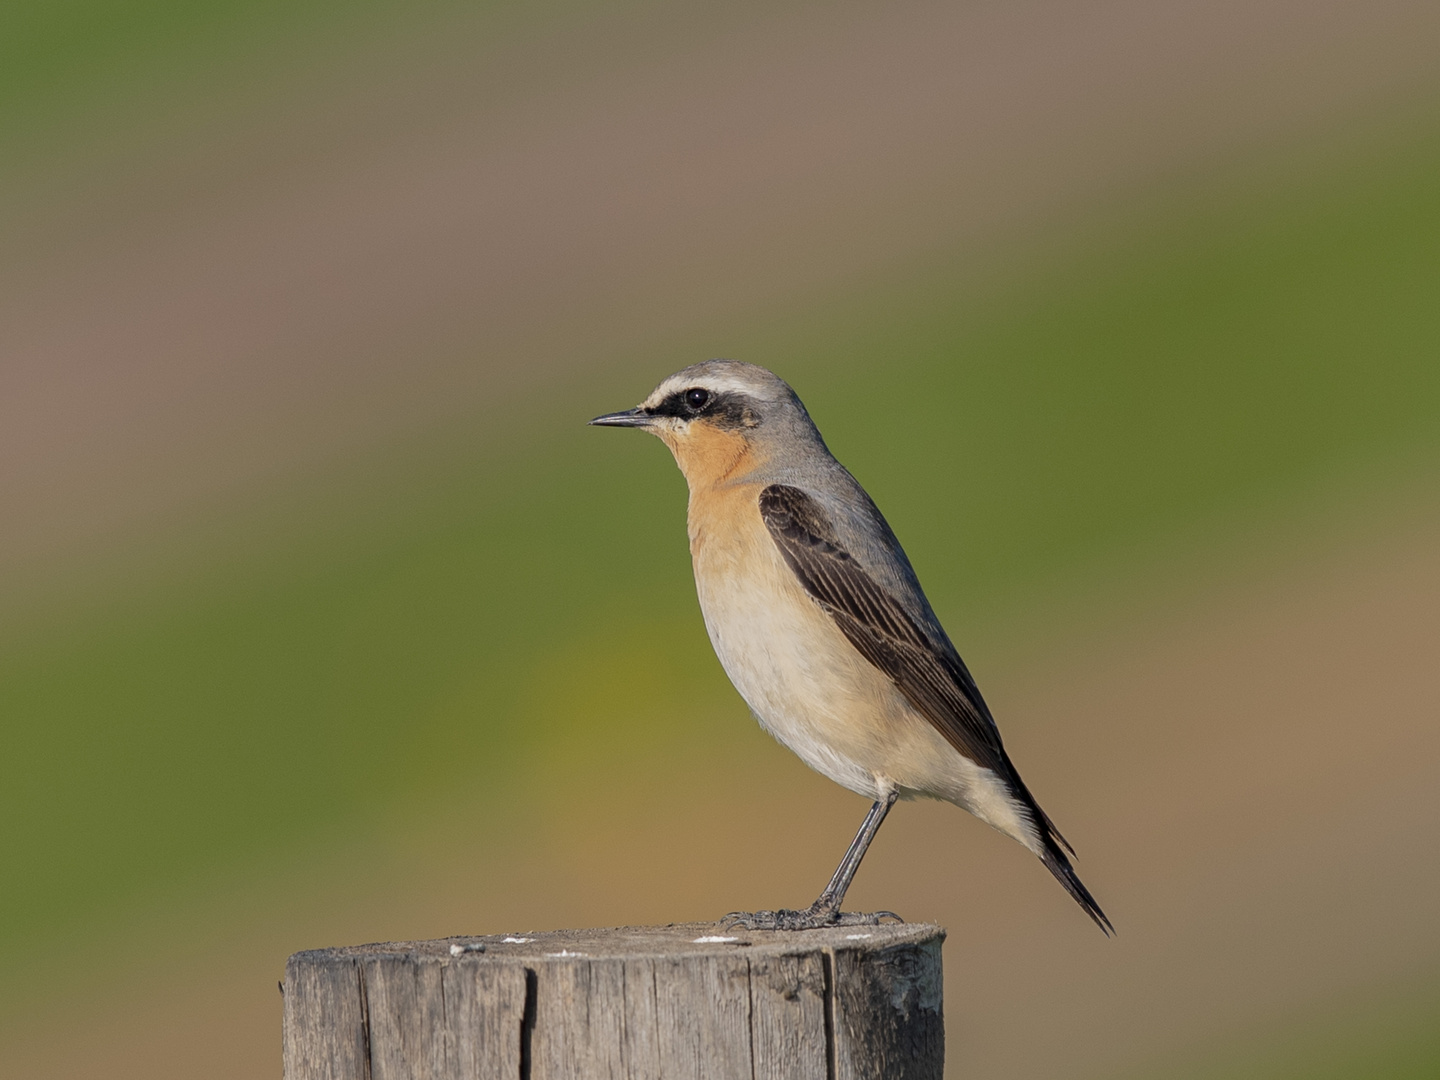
[{"x": 821, "y": 624}]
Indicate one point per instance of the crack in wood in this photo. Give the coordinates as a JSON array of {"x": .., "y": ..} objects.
[
  {"x": 527, "y": 1021},
  {"x": 368, "y": 1064},
  {"x": 827, "y": 966}
]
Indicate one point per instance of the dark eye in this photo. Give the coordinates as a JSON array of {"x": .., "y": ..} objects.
[{"x": 696, "y": 399}]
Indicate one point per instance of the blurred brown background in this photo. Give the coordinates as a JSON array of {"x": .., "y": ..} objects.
[{"x": 323, "y": 619}]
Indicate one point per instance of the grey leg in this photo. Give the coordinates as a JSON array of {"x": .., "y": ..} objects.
[
  {"x": 826, "y": 909},
  {"x": 834, "y": 894}
]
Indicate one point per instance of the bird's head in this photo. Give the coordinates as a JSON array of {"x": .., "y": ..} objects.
[{"x": 720, "y": 418}]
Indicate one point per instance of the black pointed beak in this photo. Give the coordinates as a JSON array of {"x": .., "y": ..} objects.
[{"x": 629, "y": 418}]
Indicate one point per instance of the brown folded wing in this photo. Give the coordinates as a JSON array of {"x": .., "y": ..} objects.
[
  {"x": 930, "y": 677},
  {"x": 929, "y": 673}
]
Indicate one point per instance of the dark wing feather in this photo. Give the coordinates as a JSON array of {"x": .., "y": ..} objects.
[
  {"x": 930, "y": 675},
  {"x": 874, "y": 622}
]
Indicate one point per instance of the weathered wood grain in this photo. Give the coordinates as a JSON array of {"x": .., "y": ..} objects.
[
  {"x": 326, "y": 1036},
  {"x": 888, "y": 1019},
  {"x": 635, "y": 1003},
  {"x": 789, "y": 1006}
]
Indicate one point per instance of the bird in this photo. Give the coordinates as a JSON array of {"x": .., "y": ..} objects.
[{"x": 819, "y": 620}]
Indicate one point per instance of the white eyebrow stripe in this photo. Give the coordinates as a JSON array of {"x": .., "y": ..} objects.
[{"x": 718, "y": 384}]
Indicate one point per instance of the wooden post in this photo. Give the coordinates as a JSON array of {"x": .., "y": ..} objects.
[{"x": 691, "y": 1000}]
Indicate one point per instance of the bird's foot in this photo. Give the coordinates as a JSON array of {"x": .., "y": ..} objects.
[{"x": 816, "y": 917}]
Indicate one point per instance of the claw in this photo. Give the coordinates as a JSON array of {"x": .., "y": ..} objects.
[
  {"x": 864, "y": 918},
  {"x": 813, "y": 918},
  {"x": 783, "y": 919}
]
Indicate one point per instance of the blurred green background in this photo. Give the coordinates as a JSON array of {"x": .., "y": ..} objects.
[{"x": 323, "y": 617}]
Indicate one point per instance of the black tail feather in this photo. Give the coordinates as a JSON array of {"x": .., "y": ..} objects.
[
  {"x": 1056, "y": 862},
  {"x": 1054, "y": 854},
  {"x": 1046, "y": 824}
]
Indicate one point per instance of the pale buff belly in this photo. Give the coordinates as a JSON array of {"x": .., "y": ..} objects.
[
  {"x": 810, "y": 688},
  {"x": 805, "y": 682}
]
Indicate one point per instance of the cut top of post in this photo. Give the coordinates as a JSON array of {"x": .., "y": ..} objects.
[
  {"x": 630, "y": 942},
  {"x": 685, "y": 1000}
]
